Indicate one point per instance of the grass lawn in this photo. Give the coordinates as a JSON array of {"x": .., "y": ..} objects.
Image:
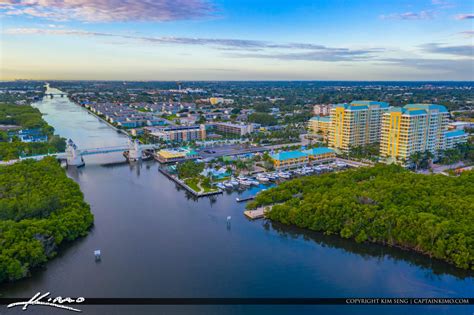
[
  {"x": 193, "y": 183},
  {"x": 197, "y": 185}
]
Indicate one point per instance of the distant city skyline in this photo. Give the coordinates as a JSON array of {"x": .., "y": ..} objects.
[{"x": 237, "y": 40}]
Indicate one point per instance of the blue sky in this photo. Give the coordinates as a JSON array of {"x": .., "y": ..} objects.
[{"x": 237, "y": 40}]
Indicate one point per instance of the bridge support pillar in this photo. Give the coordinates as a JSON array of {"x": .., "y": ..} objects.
[
  {"x": 73, "y": 156},
  {"x": 135, "y": 151}
]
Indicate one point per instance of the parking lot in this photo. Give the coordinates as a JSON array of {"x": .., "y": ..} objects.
[{"x": 226, "y": 150}]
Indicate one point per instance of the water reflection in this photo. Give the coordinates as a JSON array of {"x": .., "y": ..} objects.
[{"x": 366, "y": 250}]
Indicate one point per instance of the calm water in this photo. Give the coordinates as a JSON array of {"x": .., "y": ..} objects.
[{"x": 157, "y": 241}]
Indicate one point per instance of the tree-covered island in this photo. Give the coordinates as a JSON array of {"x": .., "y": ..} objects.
[{"x": 40, "y": 209}]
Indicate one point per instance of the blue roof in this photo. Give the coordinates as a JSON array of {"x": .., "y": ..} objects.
[
  {"x": 455, "y": 133},
  {"x": 362, "y": 105},
  {"x": 370, "y": 103},
  {"x": 322, "y": 118},
  {"x": 440, "y": 108},
  {"x": 317, "y": 151},
  {"x": 286, "y": 155},
  {"x": 408, "y": 111},
  {"x": 350, "y": 107},
  {"x": 415, "y": 112}
]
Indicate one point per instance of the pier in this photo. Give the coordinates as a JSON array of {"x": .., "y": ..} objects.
[
  {"x": 244, "y": 198},
  {"x": 258, "y": 213}
]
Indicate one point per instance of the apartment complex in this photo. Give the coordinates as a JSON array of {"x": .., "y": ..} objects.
[
  {"x": 453, "y": 138},
  {"x": 220, "y": 100},
  {"x": 320, "y": 126},
  {"x": 236, "y": 129},
  {"x": 413, "y": 128},
  {"x": 356, "y": 124},
  {"x": 322, "y": 109},
  {"x": 289, "y": 159},
  {"x": 178, "y": 133},
  {"x": 293, "y": 159}
]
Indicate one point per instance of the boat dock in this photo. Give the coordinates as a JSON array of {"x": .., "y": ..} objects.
[
  {"x": 244, "y": 198},
  {"x": 258, "y": 213}
]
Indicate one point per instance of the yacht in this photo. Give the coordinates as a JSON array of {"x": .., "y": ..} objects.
[
  {"x": 254, "y": 182},
  {"x": 245, "y": 183},
  {"x": 262, "y": 178},
  {"x": 233, "y": 182}
]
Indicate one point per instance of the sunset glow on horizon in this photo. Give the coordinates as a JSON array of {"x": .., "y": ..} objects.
[{"x": 236, "y": 40}]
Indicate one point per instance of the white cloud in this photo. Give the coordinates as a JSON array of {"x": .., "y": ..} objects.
[{"x": 109, "y": 10}]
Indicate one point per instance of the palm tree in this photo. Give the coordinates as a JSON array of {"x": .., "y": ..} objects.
[{"x": 416, "y": 159}]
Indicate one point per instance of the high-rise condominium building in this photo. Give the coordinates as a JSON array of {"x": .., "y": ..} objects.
[
  {"x": 320, "y": 126},
  {"x": 322, "y": 109},
  {"x": 356, "y": 124},
  {"x": 413, "y": 128}
]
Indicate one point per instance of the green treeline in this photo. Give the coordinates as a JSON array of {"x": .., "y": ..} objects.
[
  {"x": 26, "y": 117},
  {"x": 40, "y": 208},
  {"x": 431, "y": 214},
  {"x": 23, "y": 115},
  {"x": 189, "y": 169}
]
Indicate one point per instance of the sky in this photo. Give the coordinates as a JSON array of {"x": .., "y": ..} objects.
[{"x": 237, "y": 40}]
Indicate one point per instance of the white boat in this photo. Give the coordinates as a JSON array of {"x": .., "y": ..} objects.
[
  {"x": 262, "y": 178},
  {"x": 228, "y": 185},
  {"x": 254, "y": 182},
  {"x": 220, "y": 185}
]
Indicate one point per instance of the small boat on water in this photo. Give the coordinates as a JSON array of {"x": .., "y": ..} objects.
[
  {"x": 220, "y": 185},
  {"x": 97, "y": 255},
  {"x": 228, "y": 185}
]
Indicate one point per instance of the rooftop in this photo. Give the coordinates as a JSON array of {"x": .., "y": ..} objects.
[
  {"x": 370, "y": 103},
  {"x": 362, "y": 105},
  {"x": 317, "y": 151},
  {"x": 429, "y": 107},
  {"x": 321, "y": 118},
  {"x": 455, "y": 133},
  {"x": 286, "y": 155}
]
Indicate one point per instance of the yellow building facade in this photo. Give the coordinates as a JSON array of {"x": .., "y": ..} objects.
[
  {"x": 320, "y": 126},
  {"x": 413, "y": 128},
  {"x": 356, "y": 124}
]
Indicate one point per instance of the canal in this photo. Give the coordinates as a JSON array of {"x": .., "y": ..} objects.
[{"x": 158, "y": 241}]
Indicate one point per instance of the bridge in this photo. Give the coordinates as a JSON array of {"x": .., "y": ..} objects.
[
  {"x": 55, "y": 94},
  {"x": 74, "y": 156}
]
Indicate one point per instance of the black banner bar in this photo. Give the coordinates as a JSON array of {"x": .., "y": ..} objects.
[{"x": 261, "y": 301}]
